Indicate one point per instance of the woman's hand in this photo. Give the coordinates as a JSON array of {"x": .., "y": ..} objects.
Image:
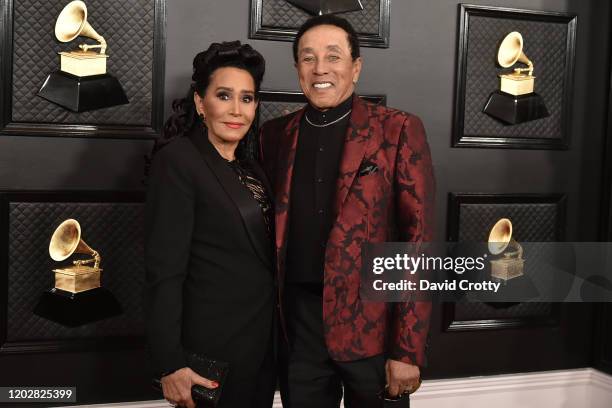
[{"x": 177, "y": 386}]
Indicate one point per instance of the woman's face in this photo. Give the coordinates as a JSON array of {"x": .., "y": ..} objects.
[{"x": 228, "y": 105}]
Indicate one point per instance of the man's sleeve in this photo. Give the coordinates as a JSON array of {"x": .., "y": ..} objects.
[
  {"x": 169, "y": 217},
  {"x": 415, "y": 190}
]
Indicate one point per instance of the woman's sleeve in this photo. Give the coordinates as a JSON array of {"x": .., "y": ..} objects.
[{"x": 169, "y": 218}]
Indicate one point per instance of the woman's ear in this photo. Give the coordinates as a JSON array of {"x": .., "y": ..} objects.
[{"x": 199, "y": 103}]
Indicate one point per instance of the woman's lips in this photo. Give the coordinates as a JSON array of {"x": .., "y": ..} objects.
[{"x": 233, "y": 125}]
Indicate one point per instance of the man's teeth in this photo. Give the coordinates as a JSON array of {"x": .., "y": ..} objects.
[{"x": 322, "y": 85}]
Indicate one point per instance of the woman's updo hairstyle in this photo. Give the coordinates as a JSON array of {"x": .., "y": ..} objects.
[{"x": 218, "y": 55}]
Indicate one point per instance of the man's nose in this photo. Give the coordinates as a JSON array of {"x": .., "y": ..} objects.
[{"x": 320, "y": 67}]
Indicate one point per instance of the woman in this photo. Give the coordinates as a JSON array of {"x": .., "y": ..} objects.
[{"x": 210, "y": 286}]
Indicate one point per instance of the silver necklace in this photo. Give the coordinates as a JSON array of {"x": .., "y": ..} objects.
[{"x": 330, "y": 123}]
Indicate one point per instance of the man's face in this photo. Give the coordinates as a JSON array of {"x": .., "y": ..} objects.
[{"x": 326, "y": 70}]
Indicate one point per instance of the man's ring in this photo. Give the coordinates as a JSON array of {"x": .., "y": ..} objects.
[{"x": 410, "y": 390}]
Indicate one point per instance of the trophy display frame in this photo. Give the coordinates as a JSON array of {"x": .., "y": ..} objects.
[
  {"x": 271, "y": 101},
  {"x": 112, "y": 220},
  {"x": 278, "y": 20},
  {"x": 550, "y": 39},
  {"x": 471, "y": 215},
  {"x": 22, "y": 113},
  {"x": 273, "y": 104}
]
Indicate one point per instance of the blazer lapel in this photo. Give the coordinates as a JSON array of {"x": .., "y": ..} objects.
[
  {"x": 285, "y": 160},
  {"x": 248, "y": 208},
  {"x": 356, "y": 139}
]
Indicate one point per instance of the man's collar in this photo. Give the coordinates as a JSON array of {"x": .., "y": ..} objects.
[{"x": 324, "y": 117}]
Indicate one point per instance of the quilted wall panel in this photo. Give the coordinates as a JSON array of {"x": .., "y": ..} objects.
[
  {"x": 115, "y": 230},
  {"x": 536, "y": 222},
  {"x": 270, "y": 110},
  {"x": 532, "y": 222},
  {"x": 127, "y": 26},
  {"x": 544, "y": 44}
]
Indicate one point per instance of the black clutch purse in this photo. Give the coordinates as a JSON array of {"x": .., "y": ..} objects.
[{"x": 213, "y": 370}]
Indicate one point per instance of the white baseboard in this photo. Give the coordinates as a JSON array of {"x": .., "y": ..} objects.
[{"x": 582, "y": 388}]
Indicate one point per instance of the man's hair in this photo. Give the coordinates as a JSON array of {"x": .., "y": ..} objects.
[{"x": 329, "y": 19}]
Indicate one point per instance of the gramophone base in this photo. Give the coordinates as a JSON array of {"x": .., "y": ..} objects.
[
  {"x": 506, "y": 269},
  {"x": 76, "y": 309},
  {"x": 512, "y": 110},
  {"x": 80, "y": 94},
  {"x": 316, "y": 7}
]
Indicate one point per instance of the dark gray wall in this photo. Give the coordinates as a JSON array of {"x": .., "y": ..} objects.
[{"x": 417, "y": 73}]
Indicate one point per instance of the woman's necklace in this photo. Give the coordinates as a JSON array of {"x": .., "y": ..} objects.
[{"x": 327, "y": 124}]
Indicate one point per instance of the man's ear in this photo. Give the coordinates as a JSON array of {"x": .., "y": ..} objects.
[{"x": 357, "y": 64}]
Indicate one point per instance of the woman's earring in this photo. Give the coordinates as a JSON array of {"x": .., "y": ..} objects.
[{"x": 202, "y": 117}]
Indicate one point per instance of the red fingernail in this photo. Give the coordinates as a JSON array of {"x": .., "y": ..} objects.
[{"x": 215, "y": 384}]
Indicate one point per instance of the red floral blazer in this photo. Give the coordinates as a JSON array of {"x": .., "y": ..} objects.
[{"x": 392, "y": 203}]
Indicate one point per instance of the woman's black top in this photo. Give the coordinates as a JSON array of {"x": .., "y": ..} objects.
[{"x": 249, "y": 179}]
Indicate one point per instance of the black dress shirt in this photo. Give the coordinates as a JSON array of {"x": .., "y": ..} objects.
[{"x": 313, "y": 190}]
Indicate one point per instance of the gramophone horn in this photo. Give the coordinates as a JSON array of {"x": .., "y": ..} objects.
[
  {"x": 66, "y": 240},
  {"x": 511, "y": 51},
  {"x": 500, "y": 236},
  {"x": 72, "y": 22}
]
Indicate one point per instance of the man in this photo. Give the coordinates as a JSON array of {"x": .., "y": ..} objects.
[{"x": 345, "y": 172}]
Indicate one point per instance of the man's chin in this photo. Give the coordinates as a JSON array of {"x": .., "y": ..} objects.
[{"x": 322, "y": 103}]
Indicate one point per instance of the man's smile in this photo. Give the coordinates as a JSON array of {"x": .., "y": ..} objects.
[{"x": 322, "y": 85}]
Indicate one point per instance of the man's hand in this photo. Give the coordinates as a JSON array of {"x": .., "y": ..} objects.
[
  {"x": 177, "y": 386},
  {"x": 401, "y": 377}
]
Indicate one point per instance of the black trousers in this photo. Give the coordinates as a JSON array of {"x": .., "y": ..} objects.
[
  {"x": 308, "y": 376},
  {"x": 251, "y": 392}
]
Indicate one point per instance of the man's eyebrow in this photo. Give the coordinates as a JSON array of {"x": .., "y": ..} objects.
[
  {"x": 307, "y": 49},
  {"x": 332, "y": 47}
]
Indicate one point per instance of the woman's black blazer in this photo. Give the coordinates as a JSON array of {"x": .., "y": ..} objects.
[{"x": 209, "y": 280}]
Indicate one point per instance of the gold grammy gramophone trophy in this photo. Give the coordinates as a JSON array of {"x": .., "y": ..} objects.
[
  {"x": 77, "y": 297},
  {"x": 515, "y": 102},
  {"x": 78, "y": 277},
  {"x": 82, "y": 82},
  {"x": 510, "y": 263}
]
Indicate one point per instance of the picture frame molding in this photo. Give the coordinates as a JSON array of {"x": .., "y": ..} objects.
[
  {"x": 459, "y": 139},
  {"x": 11, "y": 128},
  {"x": 258, "y": 32},
  {"x": 455, "y": 200},
  {"x": 105, "y": 343}
]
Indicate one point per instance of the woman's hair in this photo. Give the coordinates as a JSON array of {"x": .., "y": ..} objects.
[{"x": 218, "y": 55}]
